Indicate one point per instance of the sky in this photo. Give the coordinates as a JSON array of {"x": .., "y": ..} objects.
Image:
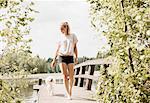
[{"x": 45, "y": 29}]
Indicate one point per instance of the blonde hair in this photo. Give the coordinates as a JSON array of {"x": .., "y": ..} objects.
[{"x": 66, "y": 26}]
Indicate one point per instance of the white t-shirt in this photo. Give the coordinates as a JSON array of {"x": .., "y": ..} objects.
[{"x": 66, "y": 44}]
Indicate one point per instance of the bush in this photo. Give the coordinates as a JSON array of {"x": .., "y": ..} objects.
[{"x": 125, "y": 23}]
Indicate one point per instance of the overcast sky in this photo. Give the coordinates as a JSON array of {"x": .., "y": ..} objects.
[{"x": 46, "y": 28}]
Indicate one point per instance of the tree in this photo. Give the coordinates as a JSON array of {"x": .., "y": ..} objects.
[
  {"x": 126, "y": 25},
  {"x": 15, "y": 18},
  {"x": 101, "y": 54}
]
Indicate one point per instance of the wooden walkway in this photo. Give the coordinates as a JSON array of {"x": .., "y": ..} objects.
[
  {"x": 85, "y": 75},
  {"x": 79, "y": 95}
]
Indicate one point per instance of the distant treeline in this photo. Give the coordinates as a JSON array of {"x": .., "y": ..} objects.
[
  {"x": 57, "y": 69},
  {"x": 26, "y": 62}
]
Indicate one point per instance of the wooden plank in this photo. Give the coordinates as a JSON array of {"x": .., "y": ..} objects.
[
  {"x": 95, "y": 62},
  {"x": 79, "y": 95},
  {"x": 36, "y": 87},
  {"x": 79, "y": 79},
  {"x": 88, "y": 84}
]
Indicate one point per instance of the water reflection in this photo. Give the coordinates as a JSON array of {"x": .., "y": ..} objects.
[{"x": 29, "y": 95}]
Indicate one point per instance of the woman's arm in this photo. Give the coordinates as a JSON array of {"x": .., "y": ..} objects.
[
  {"x": 56, "y": 52},
  {"x": 76, "y": 54},
  {"x": 54, "y": 59}
]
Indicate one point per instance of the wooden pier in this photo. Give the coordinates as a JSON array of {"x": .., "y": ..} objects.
[
  {"x": 85, "y": 75},
  {"x": 79, "y": 95}
]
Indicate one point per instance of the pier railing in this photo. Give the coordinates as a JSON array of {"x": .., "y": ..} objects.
[{"x": 85, "y": 72}]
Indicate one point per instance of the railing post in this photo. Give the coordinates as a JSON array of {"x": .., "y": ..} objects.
[
  {"x": 0, "y": 84},
  {"x": 40, "y": 81},
  {"x": 76, "y": 73},
  {"x": 89, "y": 81},
  {"x": 84, "y": 73},
  {"x": 81, "y": 80}
]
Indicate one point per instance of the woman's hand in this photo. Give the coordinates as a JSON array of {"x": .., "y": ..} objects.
[
  {"x": 53, "y": 64},
  {"x": 76, "y": 60}
]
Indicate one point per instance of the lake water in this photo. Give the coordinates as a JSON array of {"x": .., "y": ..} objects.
[{"x": 30, "y": 95}]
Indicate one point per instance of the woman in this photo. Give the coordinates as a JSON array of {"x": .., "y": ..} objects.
[{"x": 65, "y": 51}]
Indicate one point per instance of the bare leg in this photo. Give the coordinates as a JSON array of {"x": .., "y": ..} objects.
[
  {"x": 63, "y": 68},
  {"x": 71, "y": 77}
]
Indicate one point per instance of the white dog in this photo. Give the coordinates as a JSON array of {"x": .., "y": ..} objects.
[{"x": 50, "y": 83}]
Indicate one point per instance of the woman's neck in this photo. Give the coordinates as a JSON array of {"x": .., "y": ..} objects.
[{"x": 66, "y": 34}]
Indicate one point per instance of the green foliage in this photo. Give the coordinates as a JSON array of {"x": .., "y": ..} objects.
[
  {"x": 15, "y": 18},
  {"x": 9, "y": 93},
  {"x": 125, "y": 23},
  {"x": 22, "y": 62},
  {"x": 37, "y": 65},
  {"x": 13, "y": 61},
  {"x": 84, "y": 58},
  {"x": 51, "y": 70},
  {"x": 103, "y": 54},
  {"x": 18, "y": 64}
]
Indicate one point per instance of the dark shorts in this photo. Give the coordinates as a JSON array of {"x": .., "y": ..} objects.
[{"x": 65, "y": 59}]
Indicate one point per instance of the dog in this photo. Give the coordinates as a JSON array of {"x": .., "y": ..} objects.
[{"x": 49, "y": 81}]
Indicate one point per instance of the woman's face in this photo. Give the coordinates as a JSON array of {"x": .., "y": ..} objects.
[{"x": 63, "y": 29}]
